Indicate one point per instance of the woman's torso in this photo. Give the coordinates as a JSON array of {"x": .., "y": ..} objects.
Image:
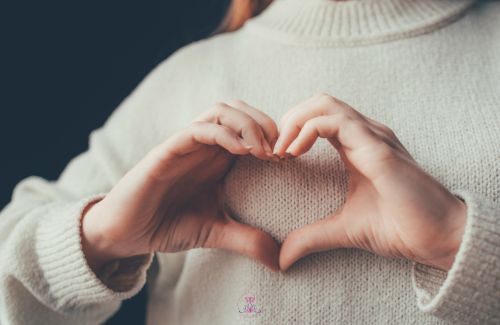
[{"x": 438, "y": 92}]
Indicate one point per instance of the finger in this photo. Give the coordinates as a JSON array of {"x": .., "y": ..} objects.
[
  {"x": 246, "y": 240},
  {"x": 205, "y": 133},
  {"x": 320, "y": 236},
  {"x": 349, "y": 133},
  {"x": 292, "y": 122},
  {"x": 299, "y": 107},
  {"x": 243, "y": 124},
  {"x": 267, "y": 123}
]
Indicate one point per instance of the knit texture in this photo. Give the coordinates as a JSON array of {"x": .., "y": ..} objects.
[
  {"x": 442, "y": 293},
  {"x": 427, "y": 69}
]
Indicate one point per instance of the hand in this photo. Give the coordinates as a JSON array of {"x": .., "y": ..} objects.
[
  {"x": 172, "y": 199},
  {"x": 393, "y": 207}
]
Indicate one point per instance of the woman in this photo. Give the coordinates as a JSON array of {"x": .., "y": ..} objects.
[{"x": 366, "y": 224}]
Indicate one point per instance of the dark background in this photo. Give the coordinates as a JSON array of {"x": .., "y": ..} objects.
[{"x": 66, "y": 65}]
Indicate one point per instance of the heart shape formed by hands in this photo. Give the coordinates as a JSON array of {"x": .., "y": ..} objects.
[{"x": 172, "y": 199}]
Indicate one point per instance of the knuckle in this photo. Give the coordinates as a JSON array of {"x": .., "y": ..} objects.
[
  {"x": 205, "y": 115},
  {"x": 284, "y": 118},
  {"x": 349, "y": 124},
  {"x": 292, "y": 117},
  {"x": 389, "y": 131},
  {"x": 269, "y": 124},
  {"x": 195, "y": 125},
  {"x": 350, "y": 111},
  {"x": 220, "y": 107},
  {"x": 344, "y": 118},
  {"x": 158, "y": 150},
  {"x": 310, "y": 125},
  {"x": 237, "y": 102},
  {"x": 326, "y": 98},
  {"x": 195, "y": 131},
  {"x": 248, "y": 123},
  {"x": 222, "y": 129},
  {"x": 322, "y": 94}
]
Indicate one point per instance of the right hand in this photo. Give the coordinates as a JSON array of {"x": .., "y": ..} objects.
[{"x": 172, "y": 199}]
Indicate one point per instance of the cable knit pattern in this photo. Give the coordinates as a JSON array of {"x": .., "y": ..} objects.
[{"x": 428, "y": 69}]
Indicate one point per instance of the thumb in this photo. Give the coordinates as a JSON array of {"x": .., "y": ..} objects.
[
  {"x": 322, "y": 235},
  {"x": 246, "y": 240}
]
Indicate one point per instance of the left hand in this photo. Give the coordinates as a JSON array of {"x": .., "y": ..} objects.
[{"x": 393, "y": 207}]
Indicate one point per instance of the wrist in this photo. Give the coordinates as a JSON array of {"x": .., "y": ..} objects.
[
  {"x": 95, "y": 247},
  {"x": 452, "y": 237}
]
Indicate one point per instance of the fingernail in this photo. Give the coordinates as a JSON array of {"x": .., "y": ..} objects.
[
  {"x": 274, "y": 158},
  {"x": 288, "y": 155},
  {"x": 270, "y": 157}
]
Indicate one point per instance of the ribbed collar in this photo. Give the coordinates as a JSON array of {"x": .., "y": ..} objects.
[{"x": 354, "y": 22}]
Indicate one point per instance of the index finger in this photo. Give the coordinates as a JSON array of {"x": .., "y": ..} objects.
[{"x": 293, "y": 121}]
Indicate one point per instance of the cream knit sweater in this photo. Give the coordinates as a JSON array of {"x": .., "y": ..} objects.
[{"x": 428, "y": 69}]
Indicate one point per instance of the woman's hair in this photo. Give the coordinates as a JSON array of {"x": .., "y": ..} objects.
[{"x": 239, "y": 11}]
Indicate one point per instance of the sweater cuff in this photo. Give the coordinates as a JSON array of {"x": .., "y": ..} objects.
[
  {"x": 470, "y": 291},
  {"x": 70, "y": 280}
]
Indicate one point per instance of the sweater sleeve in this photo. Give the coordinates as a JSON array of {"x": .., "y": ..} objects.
[
  {"x": 44, "y": 276},
  {"x": 469, "y": 293}
]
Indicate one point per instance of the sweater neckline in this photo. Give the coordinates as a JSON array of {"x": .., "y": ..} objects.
[{"x": 354, "y": 22}]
